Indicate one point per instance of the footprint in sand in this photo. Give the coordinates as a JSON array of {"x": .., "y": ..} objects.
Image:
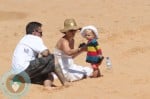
[{"x": 137, "y": 50}]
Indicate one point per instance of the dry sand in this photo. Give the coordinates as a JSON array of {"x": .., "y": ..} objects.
[{"x": 123, "y": 24}]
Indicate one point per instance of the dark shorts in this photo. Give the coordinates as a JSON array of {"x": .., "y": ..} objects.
[
  {"x": 94, "y": 59},
  {"x": 39, "y": 69}
]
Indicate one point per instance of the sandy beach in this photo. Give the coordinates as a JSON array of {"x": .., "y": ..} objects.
[{"x": 123, "y": 36}]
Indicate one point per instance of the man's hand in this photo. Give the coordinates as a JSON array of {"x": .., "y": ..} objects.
[{"x": 45, "y": 53}]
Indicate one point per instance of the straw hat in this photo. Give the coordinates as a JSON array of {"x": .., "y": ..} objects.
[
  {"x": 90, "y": 27},
  {"x": 69, "y": 24}
]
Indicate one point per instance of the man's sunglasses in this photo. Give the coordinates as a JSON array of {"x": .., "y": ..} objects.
[{"x": 39, "y": 32}]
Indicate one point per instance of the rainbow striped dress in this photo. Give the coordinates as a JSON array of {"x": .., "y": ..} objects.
[{"x": 93, "y": 52}]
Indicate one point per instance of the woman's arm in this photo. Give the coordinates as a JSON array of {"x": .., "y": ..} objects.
[
  {"x": 68, "y": 47},
  {"x": 76, "y": 54},
  {"x": 81, "y": 49}
]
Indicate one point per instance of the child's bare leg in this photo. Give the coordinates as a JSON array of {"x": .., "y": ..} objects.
[
  {"x": 95, "y": 73},
  {"x": 99, "y": 73},
  {"x": 96, "y": 70}
]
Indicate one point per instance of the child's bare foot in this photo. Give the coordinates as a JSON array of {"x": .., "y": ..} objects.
[{"x": 96, "y": 73}]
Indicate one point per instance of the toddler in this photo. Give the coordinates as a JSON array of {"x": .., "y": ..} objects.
[{"x": 94, "y": 52}]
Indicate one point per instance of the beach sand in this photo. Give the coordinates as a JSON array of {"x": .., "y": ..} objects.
[{"x": 123, "y": 36}]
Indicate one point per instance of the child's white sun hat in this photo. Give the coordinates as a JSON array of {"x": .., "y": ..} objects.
[{"x": 90, "y": 27}]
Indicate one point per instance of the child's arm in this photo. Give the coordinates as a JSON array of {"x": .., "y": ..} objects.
[{"x": 99, "y": 50}]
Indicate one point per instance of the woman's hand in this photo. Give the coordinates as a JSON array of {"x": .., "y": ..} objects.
[
  {"x": 83, "y": 48},
  {"x": 82, "y": 45}
]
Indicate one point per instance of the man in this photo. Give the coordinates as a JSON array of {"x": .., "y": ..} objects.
[{"x": 25, "y": 58}]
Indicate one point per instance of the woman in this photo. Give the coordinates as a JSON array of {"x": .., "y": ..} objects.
[{"x": 65, "y": 53}]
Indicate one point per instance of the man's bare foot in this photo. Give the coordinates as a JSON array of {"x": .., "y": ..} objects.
[
  {"x": 47, "y": 83},
  {"x": 49, "y": 88}
]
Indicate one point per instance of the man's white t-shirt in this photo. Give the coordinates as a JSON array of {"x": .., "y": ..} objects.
[{"x": 26, "y": 50}]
